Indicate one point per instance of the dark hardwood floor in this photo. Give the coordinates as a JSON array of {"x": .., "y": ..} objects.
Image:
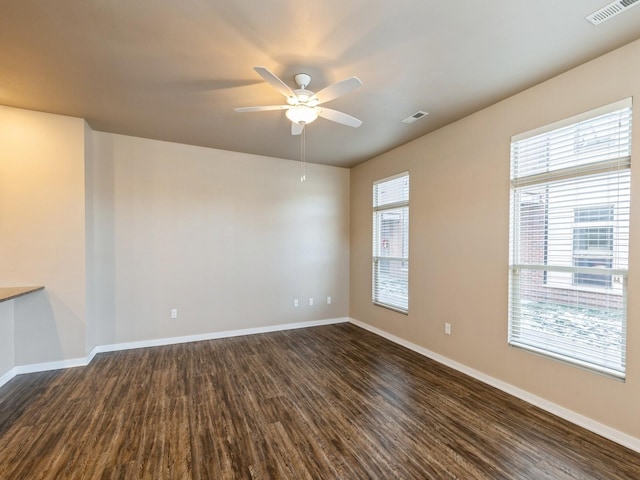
[{"x": 323, "y": 403}]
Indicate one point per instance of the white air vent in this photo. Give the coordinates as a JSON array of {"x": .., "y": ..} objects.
[
  {"x": 416, "y": 116},
  {"x": 611, "y": 10}
]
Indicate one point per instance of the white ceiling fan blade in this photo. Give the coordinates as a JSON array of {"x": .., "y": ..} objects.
[
  {"x": 296, "y": 129},
  {"x": 339, "y": 117},
  {"x": 265, "y": 108},
  {"x": 274, "y": 81},
  {"x": 336, "y": 90}
]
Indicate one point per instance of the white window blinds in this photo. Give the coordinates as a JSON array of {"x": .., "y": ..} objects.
[
  {"x": 391, "y": 242},
  {"x": 569, "y": 239}
]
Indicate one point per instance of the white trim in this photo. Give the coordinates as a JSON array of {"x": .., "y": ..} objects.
[
  {"x": 212, "y": 336},
  {"x": 83, "y": 362},
  {"x": 623, "y": 272},
  {"x": 7, "y": 376},
  {"x": 391, "y": 206},
  {"x": 92, "y": 354},
  {"x": 44, "y": 367},
  {"x": 585, "y": 422},
  {"x": 590, "y": 169}
]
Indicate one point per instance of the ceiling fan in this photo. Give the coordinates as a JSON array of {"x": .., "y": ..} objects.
[{"x": 302, "y": 104}]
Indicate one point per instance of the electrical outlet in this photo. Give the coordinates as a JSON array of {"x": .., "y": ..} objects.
[
  {"x": 295, "y": 302},
  {"x": 311, "y": 302},
  {"x": 328, "y": 300},
  {"x": 174, "y": 313},
  {"x": 447, "y": 328}
]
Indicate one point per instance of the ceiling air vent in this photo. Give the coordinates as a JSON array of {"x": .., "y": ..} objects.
[
  {"x": 611, "y": 10},
  {"x": 416, "y": 116}
]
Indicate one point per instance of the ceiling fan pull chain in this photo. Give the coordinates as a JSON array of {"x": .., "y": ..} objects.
[{"x": 303, "y": 175}]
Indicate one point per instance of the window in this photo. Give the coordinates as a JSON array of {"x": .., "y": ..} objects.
[
  {"x": 593, "y": 244},
  {"x": 569, "y": 239},
  {"x": 391, "y": 242}
]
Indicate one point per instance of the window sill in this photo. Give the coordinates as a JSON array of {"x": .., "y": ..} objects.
[{"x": 390, "y": 307}]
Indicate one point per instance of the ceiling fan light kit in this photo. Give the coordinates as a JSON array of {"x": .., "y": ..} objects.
[
  {"x": 302, "y": 114},
  {"x": 302, "y": 104}
]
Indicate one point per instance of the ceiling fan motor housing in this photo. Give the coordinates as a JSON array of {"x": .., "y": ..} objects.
[
  {"x": 302, "y": 80},
  {"x": 302, "y": 97}
]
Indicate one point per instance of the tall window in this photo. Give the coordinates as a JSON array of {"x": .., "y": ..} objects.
[
  {"x": 569, "y": 239},
  {"x": 391, "y": 242}
]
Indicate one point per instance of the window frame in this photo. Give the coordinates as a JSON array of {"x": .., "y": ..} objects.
[
  {"x": 400, "y": 207},
  {"x": 597, "y": 157}
]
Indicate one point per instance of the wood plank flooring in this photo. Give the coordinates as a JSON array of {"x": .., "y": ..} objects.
[{"x": 334, "y": 402}]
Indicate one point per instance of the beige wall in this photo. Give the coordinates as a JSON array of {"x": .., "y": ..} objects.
[
  {"x": 228, "y": 239},
  {"x": 42, "y": 231},
  {"x": 459, "y": 210}
]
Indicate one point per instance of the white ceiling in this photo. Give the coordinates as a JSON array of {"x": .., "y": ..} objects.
[{"x": 175, "y": 69}]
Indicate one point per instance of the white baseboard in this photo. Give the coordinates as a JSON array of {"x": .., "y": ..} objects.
[
  {"x": 81, "y": 362},
  {"x": 7, "y": 376},
  {"x": 58, "y": 365},
  {"x": 43, "y": 367},
  {"x": 585, "y": 422},
  {"x": 212, "y": 336}
]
